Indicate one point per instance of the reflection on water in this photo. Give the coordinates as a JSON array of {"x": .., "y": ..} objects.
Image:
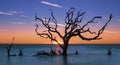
[
  {"x": 44, "y": 60},
  {"x": 88, "y": 55},
  {"x": 57, "y": 60},
  {"x": 65, "y": 60}
]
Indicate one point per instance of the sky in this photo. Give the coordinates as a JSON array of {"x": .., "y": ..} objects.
[{"x": 17, "y": 18}]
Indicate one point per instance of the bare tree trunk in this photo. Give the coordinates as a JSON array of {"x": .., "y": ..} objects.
[
  {"x": 9, "y": 47},
  {"x": 65, "y": 51},
  {"x": 65, "y": 60},
  {"x": 8, "y": 52},
  {"x": 21, "y": 52},
  {"x": 65, "y": 47},
  {"x": 72, "y": 28}
]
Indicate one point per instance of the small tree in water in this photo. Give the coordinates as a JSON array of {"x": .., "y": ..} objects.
[
  {"x": 71, "y": 28},
  {"x": 9, "y": 47}
]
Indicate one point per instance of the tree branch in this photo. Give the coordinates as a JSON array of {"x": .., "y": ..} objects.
[
  {"x": 72, "y": 28},
  {"x": 98, "y": 34},
  {"x": 48, "y": 33},
  {"x": 71, "y": 22}
]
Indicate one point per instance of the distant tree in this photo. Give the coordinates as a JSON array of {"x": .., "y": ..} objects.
[
  {"x": 72, "y": 28},
  {"x": 20, "y": 52},
  {"x": 9, "y": 47}
]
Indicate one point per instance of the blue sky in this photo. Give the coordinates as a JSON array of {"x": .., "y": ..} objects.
[
  {"x": 24, "y": 10},
  {"x": 18, "y": 15}
]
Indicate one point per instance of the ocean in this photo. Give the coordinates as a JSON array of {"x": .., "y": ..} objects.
[{"x": 88, "y": 54}]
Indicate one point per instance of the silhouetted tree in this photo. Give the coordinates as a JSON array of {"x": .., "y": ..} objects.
[
  {"x": 109, "y": 51},
  {"x": 20, "y": 52},
  {"x": 9, "y": 47},
  {"x": 72, "y": 28}
]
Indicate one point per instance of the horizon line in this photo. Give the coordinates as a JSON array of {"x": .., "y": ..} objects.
[{"x": 55, "y": 44}]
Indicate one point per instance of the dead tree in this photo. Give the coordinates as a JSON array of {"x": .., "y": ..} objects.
[
  {"x": 9, "y": 47},
  {"x": 20, "y": 52},
  {"x": 72, "y": 28}
]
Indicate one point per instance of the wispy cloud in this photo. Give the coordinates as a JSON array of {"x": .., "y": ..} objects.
[
  {"x": 24, "y": 16},
  {"x": 62, "y": 25},
  {"x": 58, "y": 24},
  {"x": 36, "y": 22},
  {"x": 8, "y": 12},
  {"x": 51, "y": 4},
  {"x": 53, "y": 23},
  {"x": 49, "y": 23},
  {"x": 17, "y": 23},
  {"x": 112, "y": 32}
]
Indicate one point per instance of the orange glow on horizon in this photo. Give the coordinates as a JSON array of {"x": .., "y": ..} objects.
[
  {"x": 30, "y": 37},
  {"x": 58, "y": 42}
]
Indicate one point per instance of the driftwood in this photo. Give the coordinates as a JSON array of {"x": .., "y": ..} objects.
[{"x": 42, "y": 53}]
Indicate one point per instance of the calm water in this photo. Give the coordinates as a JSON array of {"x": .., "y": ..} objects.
[{"x": 88, "y": 55}]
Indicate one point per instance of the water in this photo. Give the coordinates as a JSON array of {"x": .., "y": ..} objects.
[{"x": 88, "y": 55}]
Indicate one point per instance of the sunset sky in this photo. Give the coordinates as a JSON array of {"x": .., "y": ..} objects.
[{"x": 17, "y": 18}]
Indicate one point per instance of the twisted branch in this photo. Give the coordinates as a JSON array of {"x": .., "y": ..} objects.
[
  {"x": 72, "y": 27},
  {"x": 48, "y": 33}
]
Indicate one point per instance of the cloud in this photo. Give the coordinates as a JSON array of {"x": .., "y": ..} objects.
[
  {"x": 51, "y": 4},
  {"x": 8, "y": 12},
  {"x": 58, "y": 24},
  {"x": 36, "y": 22},
  {"x": 112, "y": 32},
  {"x": 24, "y": 16},
  {"x": 53, "y": 23},
  {"x": 62, "y": 25},
  {"x": 17, "y": 23}
]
